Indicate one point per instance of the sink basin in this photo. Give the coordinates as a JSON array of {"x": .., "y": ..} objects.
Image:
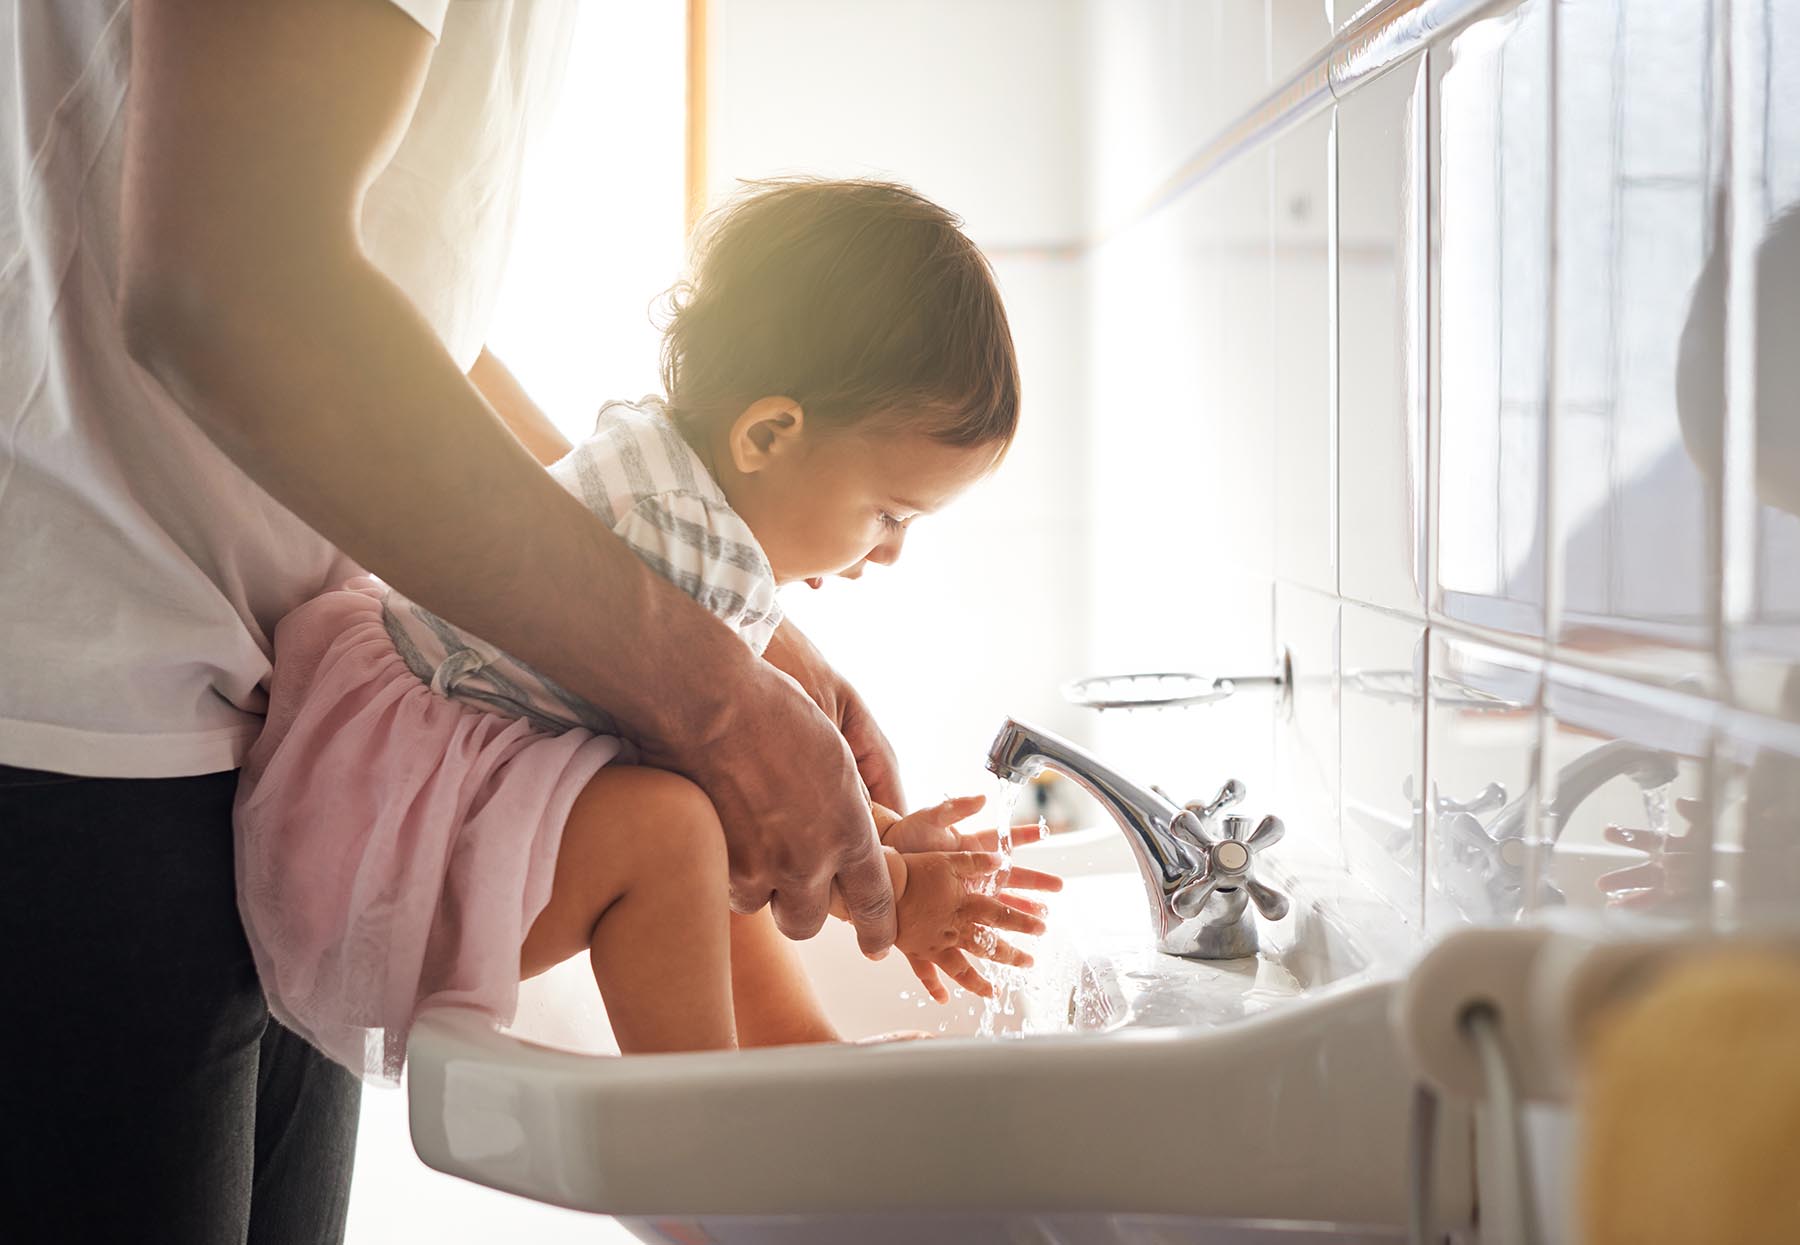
[
  {"x": 1096, "y": 969},
  {"x": 1124, "y": 1082}
]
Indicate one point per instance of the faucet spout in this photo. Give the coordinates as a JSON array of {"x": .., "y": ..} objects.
[
  {"x": 1196, "y": 888},
  {"x": 1580, "y": 778},
  {"x": 1019, "y": 752}
]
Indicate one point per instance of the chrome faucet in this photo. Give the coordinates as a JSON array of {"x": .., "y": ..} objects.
[
  {"x": 1199, "y": 884},
  {"x": 1486, "y": 864}
]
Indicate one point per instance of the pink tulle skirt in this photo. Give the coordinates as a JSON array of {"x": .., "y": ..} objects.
[{"x": 393, "y": 846}]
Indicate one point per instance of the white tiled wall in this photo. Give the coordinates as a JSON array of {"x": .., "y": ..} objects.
[{"x": 1530, "y": 509}]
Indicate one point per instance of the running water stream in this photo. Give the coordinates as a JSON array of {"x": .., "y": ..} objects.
[
  {"x": 1656, "y": 820},
  {"x": 1656, "y": 809},
  {"x": 1006, "y": 981}
]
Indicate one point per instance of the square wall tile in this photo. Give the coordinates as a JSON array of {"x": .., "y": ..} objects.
[
  {"x": 1381, "y": 340},
  {"x": 1305, "y": 789},
  {"x": 1762, "y": 552},
  {"x": 1663, "y": 86},
  {"x": 1763, "y": 523},
  {"x": 1587, "y": 174},
  {"x": 1382, "y": 753},
  {"x": 1302, "y": 348},
  {"x": 1146, "y": 445},
  {"x": 1489, "y": 286},
  {"x": 1214, "y": 349},
  {"x": 1481, "y": 747},
  {"x": 1636, "y": 526},
  {"x": 1234, "y": 488},
  {"x": 1626, "y": 792}
]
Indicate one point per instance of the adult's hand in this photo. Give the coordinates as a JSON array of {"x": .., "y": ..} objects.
[
  {"x": 254, "y": 133},
  {"x": 858, "y": 873},
  {"x": 784, "y": 754},
  {"x": 792, "y": 653}
]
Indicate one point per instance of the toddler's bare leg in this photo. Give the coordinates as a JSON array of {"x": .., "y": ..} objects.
[
  {"x": 641, "y": 886},
  {"x": 774, "y": 1003}
]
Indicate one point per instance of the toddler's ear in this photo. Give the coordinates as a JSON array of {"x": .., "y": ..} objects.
[{"x": 768, "y": 429}]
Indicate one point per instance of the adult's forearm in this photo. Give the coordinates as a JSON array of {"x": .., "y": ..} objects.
[
  {"x": 359, "y": 421},
  {"x": 524, "y": 418}
]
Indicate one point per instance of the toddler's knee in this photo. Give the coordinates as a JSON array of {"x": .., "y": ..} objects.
[
  {"x": 682, "y": 816},
  {"x": 669, "y": 796}
]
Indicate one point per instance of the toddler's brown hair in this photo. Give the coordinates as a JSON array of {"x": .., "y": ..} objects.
[{"x": 860, "y": 300}]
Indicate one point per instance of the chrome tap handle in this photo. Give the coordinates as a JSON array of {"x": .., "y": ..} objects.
[
  {"x": 1188, "y": 828},
  {"x": 1487, "y": 800},
  {"x": 1190, "y": 899},
  {"x": 1269, "y": 901},
  {"x": 1231, "y": 793},
  {"x": 1269, "y": 831},
  {"x": 1190, "y": 825},
  {"x": 1230, "y": 864}
]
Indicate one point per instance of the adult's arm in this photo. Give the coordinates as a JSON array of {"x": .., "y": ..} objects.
[
  {"x": 523, "y": 418},
  {"x": 789, "y": 650},
  {"x": 254, "y": 131}
]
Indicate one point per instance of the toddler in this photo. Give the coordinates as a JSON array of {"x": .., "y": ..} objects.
[{"x": 425, "y": 820}]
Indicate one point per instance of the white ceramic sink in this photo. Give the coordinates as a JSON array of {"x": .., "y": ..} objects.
[{"x": 1126, "y": 1083}]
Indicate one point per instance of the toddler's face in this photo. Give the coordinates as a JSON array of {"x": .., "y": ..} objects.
[{"x": 831, "y": 504}]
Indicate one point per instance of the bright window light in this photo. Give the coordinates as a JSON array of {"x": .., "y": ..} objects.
[{"x": 599, "y": 235}]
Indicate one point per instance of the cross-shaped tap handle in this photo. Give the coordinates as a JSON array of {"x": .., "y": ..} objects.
[
  {"x": 1231, "y": 793},
  {"x": 1230, "y": 863}
]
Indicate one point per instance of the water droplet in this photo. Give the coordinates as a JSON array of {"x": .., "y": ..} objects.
[{"x": 1656, "y": 808}]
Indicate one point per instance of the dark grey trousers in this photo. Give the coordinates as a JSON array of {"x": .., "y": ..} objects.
[{"x": 145, "y": 1093}]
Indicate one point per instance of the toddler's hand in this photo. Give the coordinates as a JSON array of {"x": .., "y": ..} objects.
[
  {"x": 1674, "y": 870},
  {"x": 944, "y": 914},
  {"x": 934, "y": 830}
]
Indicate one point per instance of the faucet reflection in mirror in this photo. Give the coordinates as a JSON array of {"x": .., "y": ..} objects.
[
  {"x": 1485, "y": 867},
  {"x": 1198, "y": 865}
]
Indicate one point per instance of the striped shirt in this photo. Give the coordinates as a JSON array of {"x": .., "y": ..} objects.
[{"x": 637, "y": 473}]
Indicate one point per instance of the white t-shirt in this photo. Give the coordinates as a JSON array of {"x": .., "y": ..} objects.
[{"x": 141, "y": 573}]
